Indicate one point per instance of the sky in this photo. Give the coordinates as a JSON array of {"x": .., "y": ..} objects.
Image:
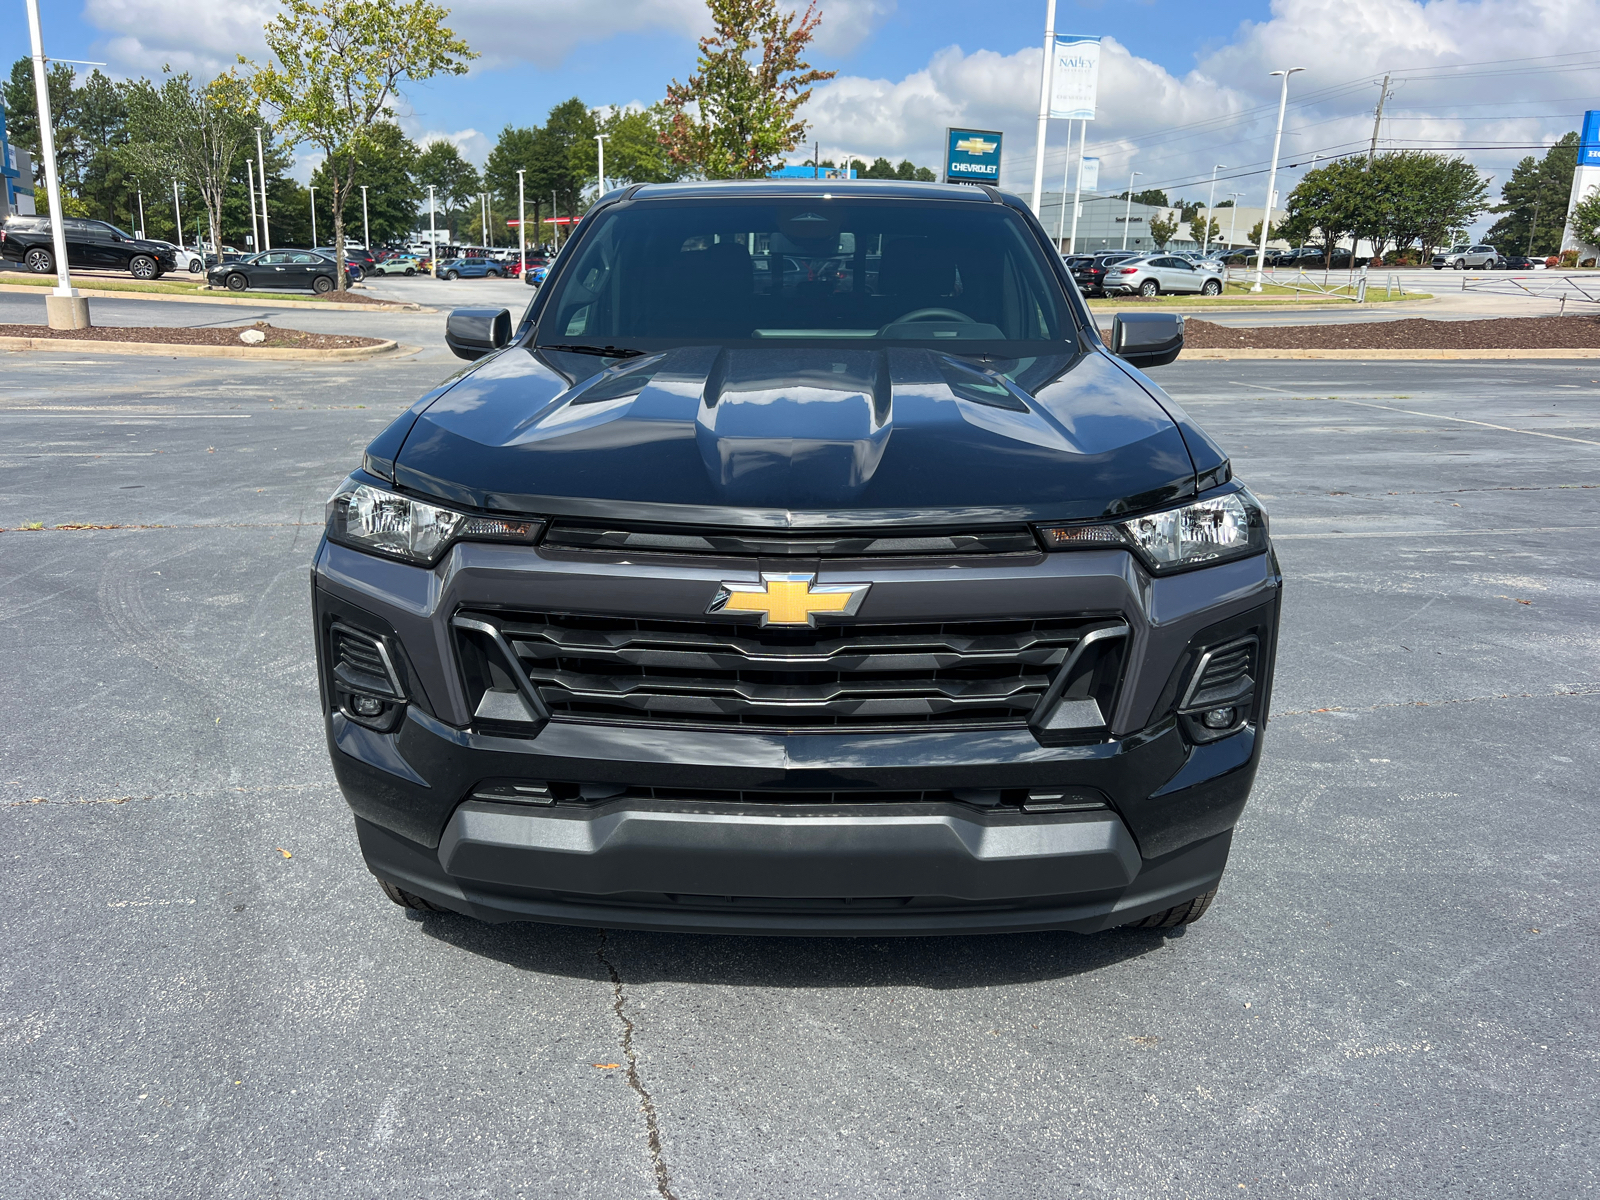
[{"x": 1184, "y": 86}]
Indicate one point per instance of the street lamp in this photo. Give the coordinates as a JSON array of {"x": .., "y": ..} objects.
[
  {"x": 261, "y": 163},
  {"x": 177, "y": 215},
  {"x": 433, "y": 238},
  {"x": 313, "y": 218},
  {"x": 1128, "y": 211},
  {"x": 600, "y": 147},
  {"x": 522, "y": 222},
  {"x": 64, "y": 307},
  {"x": 1233, "y": 221},
  {"x": 142, "y": 225},
  {"x": 255, "y": 230},
  {"x": 1272, "y": 177},
  {"x": 1210, "y": 200},
  {"x": 366, "y": 230},
  {"x": 1046, "y": 67}
]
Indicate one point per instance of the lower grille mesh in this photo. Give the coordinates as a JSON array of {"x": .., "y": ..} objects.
[{"x": 737, "y": 674}]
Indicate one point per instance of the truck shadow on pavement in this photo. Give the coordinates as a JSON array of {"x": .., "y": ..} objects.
[{"x": 945, "y": 962}]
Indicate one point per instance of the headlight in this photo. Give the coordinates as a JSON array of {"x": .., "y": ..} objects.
[
  {"x": 380, "y": 522},
  {"x": 1207, "y": 531}
]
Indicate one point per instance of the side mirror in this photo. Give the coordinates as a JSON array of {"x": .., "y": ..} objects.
[
  {"x": 1147, "y": 339},
  {"x": 473, "y": 332}
]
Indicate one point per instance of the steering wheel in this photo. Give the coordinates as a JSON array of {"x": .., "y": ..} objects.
[{"x": 931, "y": 314}]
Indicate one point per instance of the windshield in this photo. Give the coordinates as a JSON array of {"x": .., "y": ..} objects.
[{"x": 665, "y": 273}]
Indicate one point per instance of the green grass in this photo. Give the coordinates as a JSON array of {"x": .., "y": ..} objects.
[
  {"x": 1239, "y": 293},
  {"x": 167, "y": 287}
]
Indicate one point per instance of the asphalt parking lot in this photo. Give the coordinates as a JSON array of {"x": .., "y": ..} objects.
[{"x": 205, "y": 994}]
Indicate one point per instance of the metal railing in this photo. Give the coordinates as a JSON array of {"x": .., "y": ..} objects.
[{"x": 1543, "y": 285}]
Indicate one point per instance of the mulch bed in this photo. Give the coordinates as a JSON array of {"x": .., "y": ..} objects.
[
  {"x": 276, "y": 338},
  {"x": 1415, "y": 333}
]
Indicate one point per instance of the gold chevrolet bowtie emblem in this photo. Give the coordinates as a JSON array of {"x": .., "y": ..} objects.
[
  {"x": 789, "y": 599},
  {"x": 975, "y": 145}
]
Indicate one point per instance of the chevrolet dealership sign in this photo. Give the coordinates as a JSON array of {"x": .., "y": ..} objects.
[{"x": 972, "y": 156}]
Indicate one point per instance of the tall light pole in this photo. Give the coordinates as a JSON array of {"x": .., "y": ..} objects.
[
  {"x": 1272, "y": 177},
  {"x": 1077, "y": 188},
  {"x": 250, "y": 176},
  {"x": 433, "y": 238},
  {"x": 600, "y": 147},
  {"x": 64, "y": 307},
  {"x": 1128, "y": 211},
  {"x": 177, "y": 214},
  {"x": 522, "y": 221},
  {"x": 141, "y": 214},
  {"x": 366, "y": 229},
  {"x": 261, "y": 162},
  {"x": 1211, "y": 197},
  {"x": 1233, "y": 221},
  {"x": 1044, "y": 101},
  {"x": 555, "y": 230}
]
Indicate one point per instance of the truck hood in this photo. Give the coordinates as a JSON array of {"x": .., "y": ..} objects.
[{"x": 798, "y": 437}]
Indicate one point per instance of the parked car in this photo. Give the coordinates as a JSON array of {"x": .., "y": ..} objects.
[
  {"x": 1520, "y": 262},
  {"x": 1153, "y": 274},
  {"x": 187, "y": 257},
  {"x": 565, "y": 677},
  {"x": 399, "y": 264},
  {"x": 90, "y": 244},
  {"x": 1465, "y": 257},
  {"x": 1090, "y": 271},
  {"x": 1199, "y": 261},
  {"x": 277, "y": 270},
  {"x": 470, "y": 268},
  {"x": 359, "y": 255},
  {"x": 536, "y": 275}
]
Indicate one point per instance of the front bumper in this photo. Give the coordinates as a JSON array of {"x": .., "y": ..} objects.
[{"x": 711, "y": 858}]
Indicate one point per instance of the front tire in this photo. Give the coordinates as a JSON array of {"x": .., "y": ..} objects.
[
  {"x": 1211, "y": 287},
  {"x": 237, "y": 283},
  {"x": 407, "y": 899},
  {"x": 452, "y": 275},
  {"x": 492, "y": 274},
  {"x": 1461, "y": 264},
  {"x": 40, "y": 262},
  {"x": 1149, "y": 288},
  {"x": 1186, "y": 913},
  {"x": 142, "y": 266},
  {"x": 322, "y": 285},
  {"x": 411, "y": 271}
]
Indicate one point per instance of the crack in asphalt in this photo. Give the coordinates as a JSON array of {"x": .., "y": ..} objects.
[
  {"x": 646, "y": 1104},
  {"x": 1588, "y": 690}
]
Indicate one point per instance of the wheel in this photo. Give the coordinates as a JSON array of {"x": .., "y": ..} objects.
[
  {"x": 1211, "y": 287},
  {"x": 1461, "y": 264},
  {"x": 1186, "y": 913},
  {"x": 196, "y": 266},
  {"x": 322, "y": 284},
  {"x": 237, "y": 282},
  {"x": 492, "y": 274},
  {"x": 142, "y": 266},
  {"x": 411, "y": 270},
  {"x": 1149, "y": 288},
  {"x": 452, "y": 275},
  {"x": 406, "y": 899},
  {"x": 41, "y": 262}
]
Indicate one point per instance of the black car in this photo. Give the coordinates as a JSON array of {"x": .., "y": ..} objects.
[
  {"x": 1518, "y": 262},
  {"x": 707, "y": 600},
  {"x": 277, "y": 270},
  {"x": 97, "y": 245},
  {"x": 1090, "y": 270}
]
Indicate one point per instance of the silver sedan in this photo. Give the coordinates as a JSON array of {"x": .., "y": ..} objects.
[{"x": 1152, "y": 274}]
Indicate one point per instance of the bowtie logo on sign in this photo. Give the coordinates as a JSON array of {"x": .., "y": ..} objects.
[
  {"x": 972, "y": 156},
  {"x": 975, "y": 145},
  {"x": 789, "y": 599}
]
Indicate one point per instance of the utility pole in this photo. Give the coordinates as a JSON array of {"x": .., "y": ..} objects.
[
  {"x": 366, "y": 229},
  {"x": 1272, "y": 177},
  {"x": 1377, "y": 120},
  {"x": 64, "y": 307},
  {"x": 522, "y": 222},
  {"x": 255, "y": 231},
  {"x": 1127, "y": 211},
  {"x": 261, "y": 162},
  {"x": 1044, "y": 101},
  {"x": 1210, "y": 200},
  {"x": 313, "y": 219}
]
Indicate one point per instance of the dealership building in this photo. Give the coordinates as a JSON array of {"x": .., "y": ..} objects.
[{"x": 16, "y": 176}]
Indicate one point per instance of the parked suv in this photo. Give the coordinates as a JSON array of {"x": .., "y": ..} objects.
[
  {"x": 91, "y": 244},
  {"x": 1152, "y": 274},
  {"x": 711, "y": 598},
  {"x": 1484, "y": 258}
]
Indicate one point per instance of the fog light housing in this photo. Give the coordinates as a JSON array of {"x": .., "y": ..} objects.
[
  {"x": 371, "y": 706},
  {"x": 1218, "y": 718}
]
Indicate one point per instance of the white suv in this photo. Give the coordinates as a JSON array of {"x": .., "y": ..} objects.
[{"x": 1484, "y": 258}]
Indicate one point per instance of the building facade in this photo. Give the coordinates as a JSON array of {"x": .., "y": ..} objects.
[{"x": 16, "y": 176}]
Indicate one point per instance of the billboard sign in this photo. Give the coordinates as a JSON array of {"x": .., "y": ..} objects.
[
  {"x": 1089, "y": 175},
  {"x": 972, "y": 156},
  {"x": 1075, "y": 78},
  {"x": 1589, "y": 147}
]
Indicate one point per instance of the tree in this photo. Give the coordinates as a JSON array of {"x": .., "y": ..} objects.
[
  {"x": 1203, "y": 230},
  {"x": 392, "y": 191},
  {"x": 1324, "y": 207},
  {"x": 1415, "y": 196},
  {"x": 1586, "y": 218},
  {"x": 101, "y": 108},
  {"x": 1161, "y": 231},
  {"x": 880, "y": 169},
  {"x": 565, "y": 152},
  {"x": 736, "y": 118},
  {"x": 453, "y": 178},
  {"x": 635, "y": 151},
  {"x": 193, "y": 132},
  {"x": 339, "y": 65},
  {"x": 1154, "y": 197},
  {"x": 1534, "y": 200},
  {"x": 22, "y": 120},
  {"x": 1255, "y": 233}
]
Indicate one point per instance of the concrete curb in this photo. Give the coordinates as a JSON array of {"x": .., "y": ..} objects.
[
  {"x": 1389, "y": 354},
  {"x": 179, "y": 350},
  {"x": 19, "y": 289}
]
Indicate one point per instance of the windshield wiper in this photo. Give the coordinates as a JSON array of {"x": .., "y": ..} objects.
[{"x": 602, "y": 351}]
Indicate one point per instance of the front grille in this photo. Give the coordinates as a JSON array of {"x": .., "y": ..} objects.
[
  {"x": 705, "y": 673},
  {"x": 678, "y": 539}
]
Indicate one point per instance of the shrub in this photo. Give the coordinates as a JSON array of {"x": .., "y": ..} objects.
[{"x": 1569, "y": 258}]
